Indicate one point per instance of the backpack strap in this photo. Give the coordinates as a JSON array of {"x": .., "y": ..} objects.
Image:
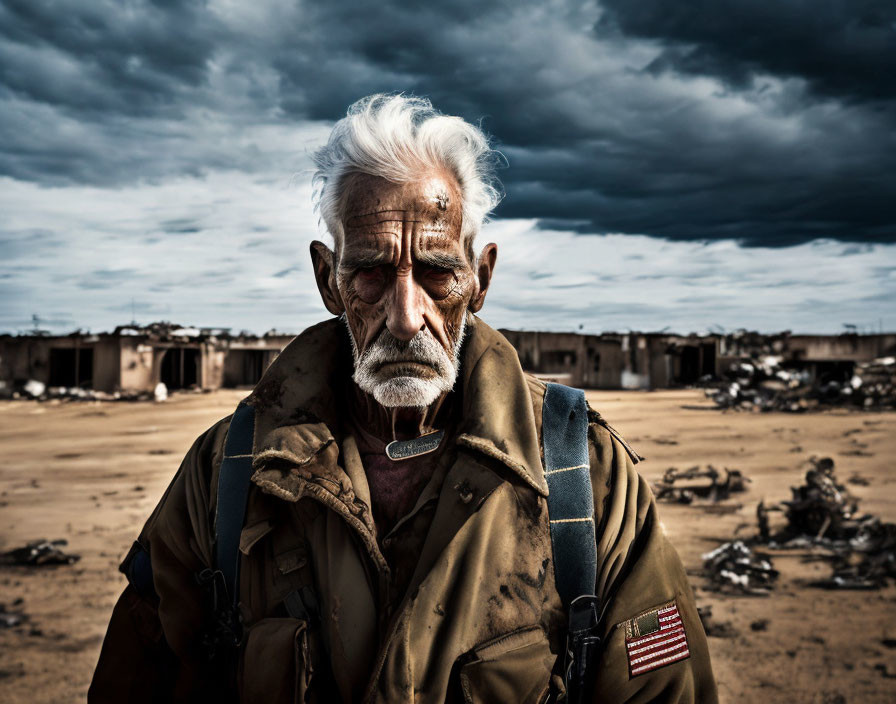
[
  {"x": 570, "y": 499},
  {"x": 233, "y": 490},
  {"x": 567, "y": 470}
]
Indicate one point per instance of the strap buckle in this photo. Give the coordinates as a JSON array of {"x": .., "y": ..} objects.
[
  {"x": 223, "y": 632},
  {"x": 582, "y": 640}
]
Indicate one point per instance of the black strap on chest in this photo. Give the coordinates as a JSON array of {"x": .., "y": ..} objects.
[
  {"x": 223, "y": 628},
  {"x": 570, "y": 500},
  {"x": 233, "y": 490}
]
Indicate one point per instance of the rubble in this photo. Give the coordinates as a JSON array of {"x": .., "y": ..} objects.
[
  {"x": 734, "y": 568},
  {"x": 823, "y": 515},
  {"x": 821, "y": 504},
  {"x": 767, "y": 384},
  {"x": 37, "y": 391},
  {"x": 34, "y": 388},
  {"x": 39, "y": 553},
  {"x": 684, "y": 486}
]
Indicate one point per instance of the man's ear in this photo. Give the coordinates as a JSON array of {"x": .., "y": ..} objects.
[
  {"x": 324, "y": 263},
  {"x": 484, "y": 269}
]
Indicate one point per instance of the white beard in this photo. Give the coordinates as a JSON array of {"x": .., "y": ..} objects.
[{"x": 407, "y": 386}]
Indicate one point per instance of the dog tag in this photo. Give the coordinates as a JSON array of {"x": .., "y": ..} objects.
[{"x": 405, "y": 449}]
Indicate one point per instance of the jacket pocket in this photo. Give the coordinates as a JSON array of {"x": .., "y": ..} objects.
[
  {"x": 275, "y": 667},
  {"x": 515, "y": 667}
]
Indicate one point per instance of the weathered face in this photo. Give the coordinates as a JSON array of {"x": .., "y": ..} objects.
[{"x": 403, "y": 276}]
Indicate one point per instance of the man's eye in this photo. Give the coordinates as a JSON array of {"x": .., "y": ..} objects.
[
  {"x": 370, "y": 273},
  {"x": 437, "y": 281},
  {"x": 437, "y": 274},
  {"x": 370, "y": 282}
]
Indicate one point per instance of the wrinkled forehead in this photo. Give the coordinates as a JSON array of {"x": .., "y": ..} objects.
[{"x": 378, "y": 211}]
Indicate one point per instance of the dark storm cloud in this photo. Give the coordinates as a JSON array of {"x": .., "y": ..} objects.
[
  {"x": 106, "y": 57},
  {"x": 845, "y": 48},
  {"x": 769, "y": 123}
]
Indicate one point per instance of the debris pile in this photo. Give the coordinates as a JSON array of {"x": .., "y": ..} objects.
[
  {"x": 821, "y": 504},
  {"x": 684, "y": 486},
  {"x": 869, "y": 564},
  {"x": 39, "y": 553},
  {"x": 734, "y": 568},
  {"x": 38, "y": 391},
  {"x": 878, "y": 383},
  {"x": 766, "y": 384},
  {"x": 823, "y": 515}
]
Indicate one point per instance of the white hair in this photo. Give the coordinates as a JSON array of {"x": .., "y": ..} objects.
[{"x": 400, "y": 138}]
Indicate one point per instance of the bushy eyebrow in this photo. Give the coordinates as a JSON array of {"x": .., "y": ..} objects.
[
  {"x": 360, "y": 260},
  {"x": 441, "y": 260}
]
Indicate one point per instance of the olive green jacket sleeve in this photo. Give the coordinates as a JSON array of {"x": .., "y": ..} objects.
[
  {"x": 639, "y": 570},
  {"x": 152, "y": 651}
]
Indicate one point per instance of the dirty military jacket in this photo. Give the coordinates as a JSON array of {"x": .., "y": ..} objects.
[{"x": 481, "y": 620}]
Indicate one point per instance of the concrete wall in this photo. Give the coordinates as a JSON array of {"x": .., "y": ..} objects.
[
  {"x": 139, "y": 364},
  {"x": 23, "y": 358},
  {"x": 854, "y": 348},
  {"x": 604, "y": 364},
  {"x": 106, "y": 364},
  {"x": 584, "y": 361}
]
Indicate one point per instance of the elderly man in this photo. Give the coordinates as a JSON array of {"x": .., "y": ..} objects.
[{"x": 375, "y": 522}]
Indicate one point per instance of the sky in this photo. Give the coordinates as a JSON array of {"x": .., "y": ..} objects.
[{"x": 689, "y": 166}]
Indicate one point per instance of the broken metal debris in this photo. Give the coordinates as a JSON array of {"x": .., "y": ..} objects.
[
  {"x": 39, "y": 553},
  {"x": 768, "y": 384},
  {"x": 823, "y": 516},
  {"x": 821, "y": 504},
  {"x": 734, "y": 568},
  {"x": 684, "y": 486}
]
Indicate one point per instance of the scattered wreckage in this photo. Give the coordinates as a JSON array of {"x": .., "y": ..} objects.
[
  {"x": 734, "y": 568},
  {"x": 687, "y": 485},
  {"x": 767, "y": 384},
  {"x": 39, "y": 553},
  {"x": 821, "y": 516},
  {"x": 34, "y": 390}
]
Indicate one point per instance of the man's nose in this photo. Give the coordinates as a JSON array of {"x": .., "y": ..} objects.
[{"x": 404, "y": 314}]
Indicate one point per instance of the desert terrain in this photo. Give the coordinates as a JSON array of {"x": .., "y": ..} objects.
[{"x": 92, "y": 472}]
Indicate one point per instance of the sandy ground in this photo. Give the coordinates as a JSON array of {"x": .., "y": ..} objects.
[{"x": 91, "y": 473}]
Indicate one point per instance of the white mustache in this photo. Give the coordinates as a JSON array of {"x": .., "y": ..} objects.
[
  {"x": 421, "y": 349},
  {"x": 406, "y": 388}
]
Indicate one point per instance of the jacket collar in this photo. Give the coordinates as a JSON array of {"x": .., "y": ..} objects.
[{"x": 298, "y": 419}]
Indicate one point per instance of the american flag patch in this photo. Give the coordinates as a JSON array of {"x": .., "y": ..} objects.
[{"x": 655, "y": 638}]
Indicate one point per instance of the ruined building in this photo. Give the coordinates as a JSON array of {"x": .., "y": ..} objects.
[{"x": 136, "y": 358}]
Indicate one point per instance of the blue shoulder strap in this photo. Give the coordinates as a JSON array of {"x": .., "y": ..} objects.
[
  {"x": 570, "y": 499},
  {"x": 233, "y": 490}
]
